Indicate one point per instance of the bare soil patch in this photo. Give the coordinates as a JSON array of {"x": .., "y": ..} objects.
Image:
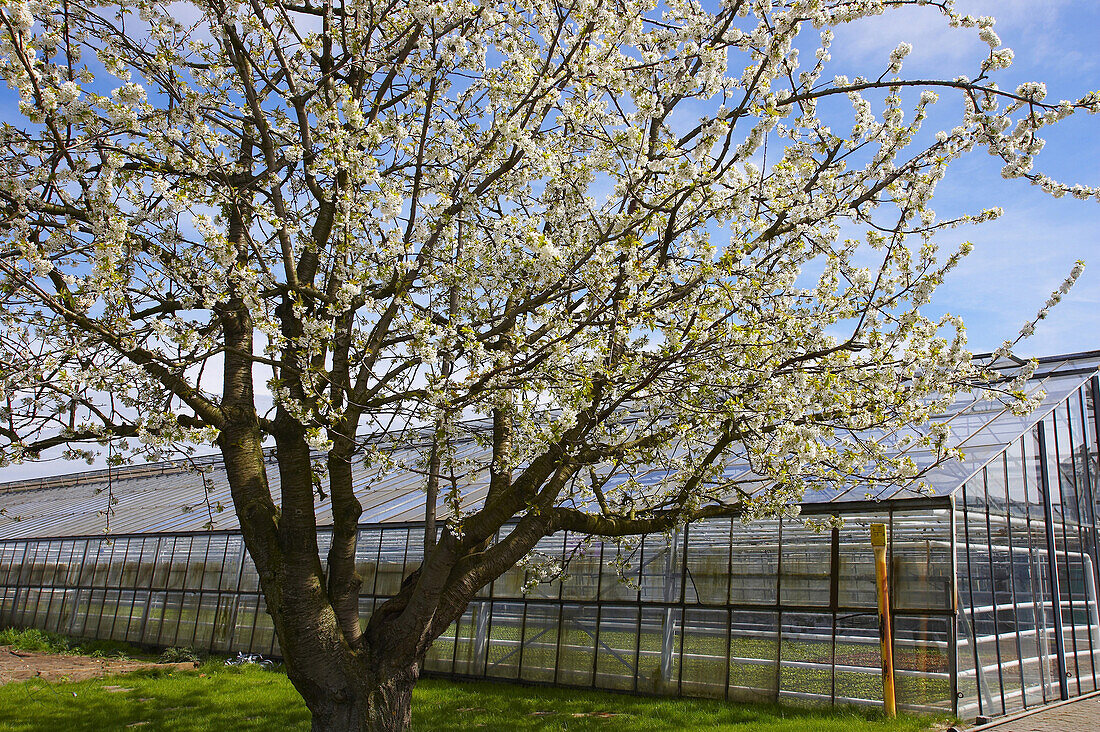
[{"x": 23, "y": 665}]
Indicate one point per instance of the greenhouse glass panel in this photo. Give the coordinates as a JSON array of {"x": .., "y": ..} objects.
[
  {"x": 804, "y": 565},
  {"x": 923, "y": 661},
  {"x": 222, "y": 640},
  {"x": 620, "y": 571},
  {"x": 854, "y": 576},
  {"x": 855, "y": 674},
  {"x": 471, "y": 638},
  {"x": 658, "y": 650},
  {"x": 505, "y": 640},
  {"x": 582, "y": 559},
  {"x": 263, "y": 632},
  {"x": 616, "y": 653},
  {"x": 576, "y": 657},
  {"x": 705, "y": 653},
  {"x": 708, "y": 563},
  {"x": 540, "y": 643},
  {"x": 755, "y": 559},
  {"x": 806, "y": 648},
  {"x": 754, "y": 661},
  {"x": 441, "y": 656},
  {"x": 992, "y": 562}
]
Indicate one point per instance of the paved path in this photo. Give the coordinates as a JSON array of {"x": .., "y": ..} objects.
[{"x": 1082, "y": 715}]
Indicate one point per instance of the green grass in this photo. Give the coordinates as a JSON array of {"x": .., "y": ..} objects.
[
  {"x": 446, "y": 705},
  {"x": 42, "y": 641},
  {"x": 215, "y": 697}
]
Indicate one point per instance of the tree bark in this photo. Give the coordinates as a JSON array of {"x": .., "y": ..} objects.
[
  {"x": 361, "y": 706},
  {"x": 389, "y": 703}
]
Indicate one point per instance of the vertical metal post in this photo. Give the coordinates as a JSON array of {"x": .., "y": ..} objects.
[
  {"x": 779, "y": 608},
  {"x": 103, "y": 612},
  {"x": 492, "y": 610},
  {"x": 236, "y": 606},
  {"x": 599, "y": 616},
  {"x": 1090, "y": 489},
  {"x": 479, "y": 657},
  {"x": 183, "y": 588},
  {"x": 1043, "y": 635},
  {"x": 33, "y": 622},
  {"x": 641, "y": 612},
  {"x": 1084, "y": 520},
  {"x": 56, "y": 546},
  {"x": 1052, "y": 563},
  {"x": 993, "y": 590},
  {"x": 99, "y": 569},
  {"x": 1012, "y": 582},
  {"x": 985, "y": 699},
  {"x": 133, "y": 588},
  {"x": 878, "y": 541},
  {"x": 729, "y": 612},
  {"x": 201, "y": 594},
  {"x": 167, "y": 583},
  {"x": 377, "y": 570},
  {"x": 5, "y": 564},
  {"x": 668, "y": 633},
  {"x": 561, "y": 611},
  {"x": 61, "y": 581},
  {"x": 1035, "y": 579},
  {"x": 1058, "y": 452},
  {"x": 523, "y": 644},
  {"x": 30, "y": 612},
  {"x": 683, "y": 607},
  {"x": 953, "y": 601},
  {"x": 51, "y": 583},
  {"x": 218, "y": 600},
  {"x": 1093, "y": 614},
  {"x": 834, "y": 606},
  {"x": 79, "y": 588},
  {"x": 19, "y": 585},
  {"x": 149, "y": 596},
  {"x": 166, "y": 550}
]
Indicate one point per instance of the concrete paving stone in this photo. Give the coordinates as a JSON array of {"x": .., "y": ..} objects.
[{"x": 1082, "y": 715}]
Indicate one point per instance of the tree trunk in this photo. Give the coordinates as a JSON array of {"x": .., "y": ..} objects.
[{"x": 385, "y": 706}]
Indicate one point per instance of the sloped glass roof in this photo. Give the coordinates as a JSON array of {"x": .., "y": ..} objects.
[
  {"x": 982, "y": 429},
  {"x": 176, "y": 498}
]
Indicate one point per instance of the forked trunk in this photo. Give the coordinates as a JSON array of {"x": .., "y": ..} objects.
[{"x": 383, "y": 707}]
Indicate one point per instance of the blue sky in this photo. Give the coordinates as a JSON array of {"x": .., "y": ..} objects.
[{"x": 1019, "y": 259}]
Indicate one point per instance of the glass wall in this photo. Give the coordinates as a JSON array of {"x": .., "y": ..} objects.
[
  {"x": 766, "y": 611},
  {"x": 994, "y": 593},
  {"x": 1027, "y": 555}
]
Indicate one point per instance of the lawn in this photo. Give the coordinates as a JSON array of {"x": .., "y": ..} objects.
[
  {"x": 217, "y": 697},
  {"x": 32, "y": 639},
  {"x": 214, "y": 697}
]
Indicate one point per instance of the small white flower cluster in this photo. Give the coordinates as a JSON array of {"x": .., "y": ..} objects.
[
  {"x": 540, "y": 568},
  {"x": 513, "y": 213}
]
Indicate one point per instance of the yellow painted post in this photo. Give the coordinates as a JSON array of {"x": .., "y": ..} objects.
[{"x": 878, "y": 541}]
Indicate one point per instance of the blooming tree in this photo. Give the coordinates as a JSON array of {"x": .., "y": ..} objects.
[{"x": 562, "y": 218}]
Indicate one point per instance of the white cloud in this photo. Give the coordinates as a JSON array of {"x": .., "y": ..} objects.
[{"x": 1035, "y": 29}]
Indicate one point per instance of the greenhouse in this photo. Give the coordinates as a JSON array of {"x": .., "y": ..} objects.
[{"x": 993, "y": 576}]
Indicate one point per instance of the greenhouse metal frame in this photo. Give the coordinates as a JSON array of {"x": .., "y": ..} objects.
[{"x": 993, "y": 580}]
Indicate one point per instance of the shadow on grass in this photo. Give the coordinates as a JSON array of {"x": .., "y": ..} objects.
[{"x": 212, "y": 698}]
